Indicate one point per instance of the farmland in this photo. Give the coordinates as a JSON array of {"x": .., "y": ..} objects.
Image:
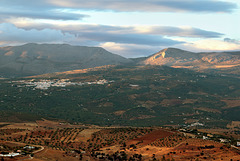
[{"x": 86, "y": 142}]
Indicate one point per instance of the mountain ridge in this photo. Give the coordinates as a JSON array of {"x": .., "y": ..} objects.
[
  {"x": 174, "y": 57},
  {"x": 35, "y": 59},
  {"x": 38, "y": 59}
]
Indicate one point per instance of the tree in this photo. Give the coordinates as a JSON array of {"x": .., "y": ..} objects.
[{"x": 163, "y": 158}]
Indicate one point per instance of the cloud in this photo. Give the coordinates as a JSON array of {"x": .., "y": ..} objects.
[
  {"x": 179, "y": 31},
  {"x": 127, "y": 45},
  {"x": 131, "y": 50},
  {"x": 169, "y": 31},
  {"x": 10, "y": 34},
  {"x": 128, "y": 38},
  {"x": 35, "y": 10},
  {"x": 150, "y": 5},
  {"x": 69, "y": 9},
  {"x": 57, "y": 21},
  {"x": 232, "y": 41},
  {"x": 53, "y": 15},
  {"x": 128, "y": 41},
  {"x": 134, "y": 50},
  {"x": 211, "y": 45}
]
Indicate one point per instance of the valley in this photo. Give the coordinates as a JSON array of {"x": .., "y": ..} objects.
[
  {"x": 128, "y": 96},
  {"x": 105, "y": 80},
  {"x": 173, "y": 105}
]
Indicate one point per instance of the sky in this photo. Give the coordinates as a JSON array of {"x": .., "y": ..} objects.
[{"x": 129, "y": 28}]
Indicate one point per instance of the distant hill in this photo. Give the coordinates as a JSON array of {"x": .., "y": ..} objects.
[
  {"x": 34, "y": 59},
  {"x": 38, "y": 59},
  {"x": 200, "y": 61}
]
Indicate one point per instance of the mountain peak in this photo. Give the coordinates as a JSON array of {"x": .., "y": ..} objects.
[
  {"x": 36, "y": 59},
  {"x": 184, "y": 59},
  {"x": 169, "y": 56}
]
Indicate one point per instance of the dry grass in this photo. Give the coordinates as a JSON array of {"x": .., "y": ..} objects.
[
  {"x": 27, "y": 126},
  {"x": 234, "y": 124},
  {"x": 171, "y": 102},
  {"x": 231, "y": 103},
  {"x": 53, "y": 155},
  {"x": 208, "y": 109},
  {"x": 147, "y": 141},
  {"x": 86, "y": 134}
]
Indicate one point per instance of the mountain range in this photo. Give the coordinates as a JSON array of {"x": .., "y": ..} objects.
[
  {"x": 93, "y": 86},
  {"x": 184, "y": 59},
  {"x": 36, "y": 59}
]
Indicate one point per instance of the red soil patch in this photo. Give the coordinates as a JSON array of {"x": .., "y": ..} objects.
[
  {"x": 171, "y": 102},
  {"x": 151, "y": 137}
]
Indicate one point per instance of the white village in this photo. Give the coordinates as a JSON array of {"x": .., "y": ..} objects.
[{"x": 44, "y": 84}]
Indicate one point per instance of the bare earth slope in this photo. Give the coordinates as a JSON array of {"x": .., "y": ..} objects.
[
  {"x": 35, "y": 59},
  {"x": 200, "y": 61}
]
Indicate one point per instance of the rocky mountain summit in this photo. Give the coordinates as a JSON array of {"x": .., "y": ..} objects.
[{"x": 184, "y": 59}]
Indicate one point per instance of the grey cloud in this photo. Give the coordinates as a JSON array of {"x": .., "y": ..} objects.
[
  {"x": 45, "y": 15},
  {"x": 95, "y": 34},
  {"x": 185, "y": 32},
  {"x": 10, "y": 33},
  {"x": 150, "y": 5},
  {"x": 128, "y": 38},
  {"x": 135, "y": 51},
  {"x": 36, "y": 10},
  {"x": 50, "y": 9},
  {"x": 199, "y": 5},
  {"x": 48, "y": 15},
  {"x": 152, "y": 30},
  {"x": 232, "y": 40}
]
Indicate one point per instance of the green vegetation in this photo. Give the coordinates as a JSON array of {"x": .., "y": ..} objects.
[{"x": 139, "y": 96}]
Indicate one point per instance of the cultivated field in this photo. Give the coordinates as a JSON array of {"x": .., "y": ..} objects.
[{"x": 61, "y": 141}]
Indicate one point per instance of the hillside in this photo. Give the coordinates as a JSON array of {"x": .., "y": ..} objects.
[
  {"x": 125, "y": 95},
  {"x": 35, "y": 59},
  {"x": 56, "y": 140},
  {"x": 219, "y": 61},
  {"x": 101, "y": 92}
]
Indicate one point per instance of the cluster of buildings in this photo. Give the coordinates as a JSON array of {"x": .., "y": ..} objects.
[
  {"x": 44, "y": 84},
  {"x": 10, "y": 155},
  {"x": 197, "y": 124},
  {"x": 26, "y": 148},
  {"x": 194, "y": 133}
]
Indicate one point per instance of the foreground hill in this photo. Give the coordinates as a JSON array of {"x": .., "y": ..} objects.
[
  {"x": 219, "y": 61},
  {"x": 35, "y": 59},
  {"x": 57, "y": 140}
]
